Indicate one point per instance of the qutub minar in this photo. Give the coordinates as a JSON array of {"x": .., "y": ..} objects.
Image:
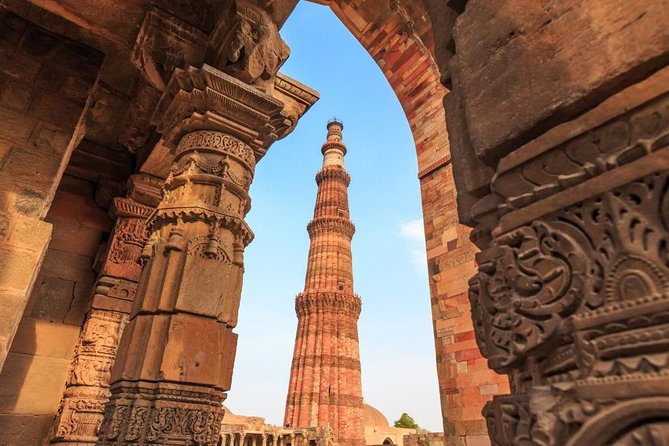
[{"x": 325, "y": 385}]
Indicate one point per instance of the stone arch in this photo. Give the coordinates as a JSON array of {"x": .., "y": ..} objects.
[
  {"x": 388, "y": 441},
  {"x": 566, "y": 103},
  {"x": 529, "y": 92},
  {"x": 400, "y": 36}
]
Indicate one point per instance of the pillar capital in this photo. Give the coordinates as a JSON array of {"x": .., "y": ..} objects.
[{"x": 208, "y": 99}]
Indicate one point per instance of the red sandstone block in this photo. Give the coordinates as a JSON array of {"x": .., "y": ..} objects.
[
  {"x": 489, "y": 389},
  {"x": 466, "y": 336},
  {"x": 468, "y": 355},
  {"x": 472, "y": 397},
  {"x": 462, "y": 346},
  {"x": 449, "y": 383},
  {"x": 472, "y": 412}
]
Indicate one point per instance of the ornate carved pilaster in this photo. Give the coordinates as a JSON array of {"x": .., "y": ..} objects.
[
  {"x": 87, "y": 391},
  {"x": 128, "y": 240},
  {"x": 572, "y": 295},
  {"x": 82, "y": 407},
  {"x": 176, "y": 357}
]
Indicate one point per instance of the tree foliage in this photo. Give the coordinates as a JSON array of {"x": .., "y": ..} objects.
[{"x": 406, "y": 422}]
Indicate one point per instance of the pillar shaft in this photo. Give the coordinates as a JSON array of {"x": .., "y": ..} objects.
[{"x": 176, "y": 356}]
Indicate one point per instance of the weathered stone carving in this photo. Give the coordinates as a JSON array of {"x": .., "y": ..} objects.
[
  {"x": 574, "y": 305},
  {"x": 170, "y": 390},
  {"x": 82, "y": 408},
  {"x": 164, "y": 43},
  {"x": 245, "y": 113},
  {"x": 297, "y": 97},
  {"x": 134, "y": 135},
  {"x": 142, "y": 417},
  {"x": 314, "y": 302},
  {"x": 246, "y": 44},
  {"x": 532, "y": 279},
  {"x": 128, "y": 240},
  {"x": 620, "y": 141}
]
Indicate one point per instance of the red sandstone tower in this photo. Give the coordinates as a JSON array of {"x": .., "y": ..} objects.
[{"x": 325, "y": 385}]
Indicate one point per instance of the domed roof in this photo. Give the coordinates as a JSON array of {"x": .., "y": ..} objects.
[{"x": 373, "y": 417}]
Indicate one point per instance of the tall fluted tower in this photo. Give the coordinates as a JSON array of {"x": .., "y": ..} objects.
[{"x": 325, "y": 385}]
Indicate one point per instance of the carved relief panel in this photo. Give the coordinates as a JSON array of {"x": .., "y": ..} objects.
[{"x": 574, "y": 304}]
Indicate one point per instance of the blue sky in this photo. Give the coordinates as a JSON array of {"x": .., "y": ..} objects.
[{"x": 396, "y": 344}]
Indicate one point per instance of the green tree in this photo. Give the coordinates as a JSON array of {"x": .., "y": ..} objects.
[{"x": 406, "y": 422}]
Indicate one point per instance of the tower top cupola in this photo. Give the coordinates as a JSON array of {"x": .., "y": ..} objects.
[{"x": 333, "y": 149}]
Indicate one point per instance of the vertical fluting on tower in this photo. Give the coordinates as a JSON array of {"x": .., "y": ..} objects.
[{"x": 325, "y": 385}]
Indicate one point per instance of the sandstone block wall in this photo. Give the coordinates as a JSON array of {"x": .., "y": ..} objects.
[
  {"x": 33, "y": 378},
  {"x": 45, "y": 81}
]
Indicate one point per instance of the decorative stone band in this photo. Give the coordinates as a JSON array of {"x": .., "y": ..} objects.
[
  {"x": 114, "y": 294},
  {"x": 331, "y": 224},
  {"x": 219, "y": 142},
  {"x": 435, "y": 166},
  {"x": 333, "y": 146},
  {"x": 125, "y": 207},
  {"x": 82, "y": 407},
  {"x": 332, "y": 398},
  {"x": 541, "y": 169},
  {"x": 296, "y": 90},
  {"x": 343, "y": 362},
  {"x": 168, "y": 214},
  {"x": 313, "y": 302},
  {"x": 341, "y": 334},
  {"x": 333, "y": 173},
  {"x": 150, "y": 413}
]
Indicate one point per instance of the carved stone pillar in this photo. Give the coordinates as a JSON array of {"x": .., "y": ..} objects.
[
  {"x": 82, "y": 407},
  {"x": 176, "y": 356},
  {"x": 571, "y": 300}
]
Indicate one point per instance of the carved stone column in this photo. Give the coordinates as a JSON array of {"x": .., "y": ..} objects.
[
  {"x": 571, "y": 300},
  {"x": 87, "y": 391},
  {"x": 176, "y": 357}
]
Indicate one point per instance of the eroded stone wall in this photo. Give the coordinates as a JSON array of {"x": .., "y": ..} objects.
[
  {"x": 33, "y": 378},
  {"x": 45, "y": 82},
  {"x": 566, "y": 104}
]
